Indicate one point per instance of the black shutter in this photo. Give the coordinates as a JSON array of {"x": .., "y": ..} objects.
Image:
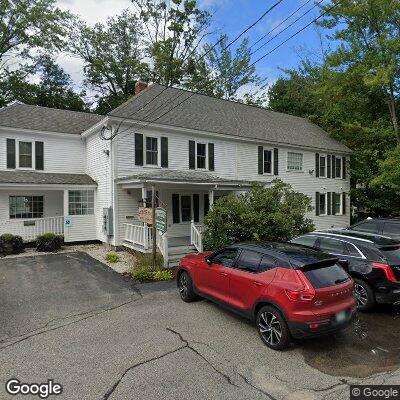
[
  {"x": 206, "y": 204},
  {"x": 333, "y": 204},
  {"x": 192, "y": 154},
  {"x": 343, "y": 167},
  {"x": 317, "y": 165},
  {"x": 276, "y": 162},
  {"x": 329, "y": 203},
  {"x": 211, "y": 166},
  {"x": 39, "y": 156},
  {"x": 138, "y": 149},
  {"x": 344, "y": 203},
  {"x": 175, "y": 209},
  {"x": 164, "y": 152},
  {"x": 260, "y": 160},
  {"x": 317, "y": 203},
  {"x": 196, "y": 203},
  {"x": 328, "y": 166},
  {"x": 11, "y": 163},
  {"x": 333, "y": 167}
]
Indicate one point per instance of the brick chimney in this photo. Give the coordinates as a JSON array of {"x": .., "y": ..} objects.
[{"x": 140, "y": 86}]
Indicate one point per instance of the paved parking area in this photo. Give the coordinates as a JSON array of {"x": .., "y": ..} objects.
[{"x": 77, "y": 322}]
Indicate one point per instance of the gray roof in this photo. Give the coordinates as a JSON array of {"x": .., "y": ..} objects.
[
  {"x": 42, "y": 178},
  {"x": 179, "y": 176},
  {"x": 24, "y": 116},
  {"x": 210, "y": 114}
]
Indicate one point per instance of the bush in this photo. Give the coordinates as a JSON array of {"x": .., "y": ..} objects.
[
  {"x": 11, "y": 244},
  {"x": 145, "y": 261},
  {"x": 146, "y": 275},
  {"x": 112, "y": 257},
  {"x": 49, "y": 242},
  {"x": 163, "y": 275},
  {"x": 274, "y": 213}
]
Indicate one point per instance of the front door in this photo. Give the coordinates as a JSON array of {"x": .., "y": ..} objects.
[{"x": 185, "y": 208}]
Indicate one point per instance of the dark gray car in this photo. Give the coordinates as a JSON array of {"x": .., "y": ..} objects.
[{"x": 389, "y": 227}]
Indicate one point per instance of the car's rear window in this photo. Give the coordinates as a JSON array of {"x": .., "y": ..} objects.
[
  {"x": 326, "y": 276},
  {"x": 392, "y": 254}
]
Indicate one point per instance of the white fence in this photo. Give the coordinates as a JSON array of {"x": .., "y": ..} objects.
[
  {"x": 30, "y": 229},
  {"x": 196, "y": 236},
  {"x": 138, "y": 234}
]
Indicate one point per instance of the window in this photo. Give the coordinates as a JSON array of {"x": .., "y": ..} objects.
[
  {"x": 294, "y": 161},
  {"x": 322, "y": 166},
  {"x": 26, "y": 207},
  {"x": 266, "y": 263},
  {"x": 337, "y": 203},
  {"x": 306, "y": 240},
  {"x": 326, "y": 276},
  {"x": 322, "y": 203},
  {"x": 368, "y": 226},
  {"x": 80, "y": 202},
  {"x": 352, "y": 250},
  {"x": 201, "y": 155},
  {"x": 338, "y": 167},
  {"x": 151, "y": 151},
  {"x": 249, "y": 260},
  {"x": 392, "y": 229},
  {"x": 186, "y": 208},
  {"x": 267, "y": 161},
  {"x": 25, "y": 154},
  {"x": 225, "y": 257},
  {"x": 332, "y": 245}
]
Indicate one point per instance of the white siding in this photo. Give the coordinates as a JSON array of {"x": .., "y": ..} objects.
[
  {"x": 127, "y": 205},
  {"x": 62, "y": 153},
  {"x": 82, "y": 228}
]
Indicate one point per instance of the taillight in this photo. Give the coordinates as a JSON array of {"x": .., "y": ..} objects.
[
  {"x": 385, "y": 268},
  {"x": 307, "y": 293}
]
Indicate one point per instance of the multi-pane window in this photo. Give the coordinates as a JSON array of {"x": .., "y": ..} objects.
[
  {"x": 186, "y": 208},
  {"x": 151, "y": 151},
  {"x": 25, "y": 154},
  {"x": 338, "y": 203},
  {"x": 201, "y": 155},
  {"x": 338, "y": 167},
  {"x": 294, "y": 161},
  {"x": 26, "y": 207},
  {"x": 80, "y": 202},
  {"x": 322, "y": 166},
  {"x": 322, "y": 204},
  {"x": 267, "y": 161}
]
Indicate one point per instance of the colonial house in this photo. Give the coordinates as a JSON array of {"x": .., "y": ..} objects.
[{"x": 87, "y": 176}]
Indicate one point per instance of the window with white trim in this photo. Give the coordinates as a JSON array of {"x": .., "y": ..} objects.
[
  {"x": 337, "y": 203},
  {"x": 268, "y": 154},
  {"x": 323, "y": 203},
  {"x": 322, "y": 166},
  {"x": 201, "y": 155},
  {"x": 338, "y": 167},
  {"x": 294, "y": 161},
  {"x": 151, "y": 150},
  {"x": 24, "y": 207},
  {"x": 80, "y": 202},
  {"x": 25, "y": 155}
]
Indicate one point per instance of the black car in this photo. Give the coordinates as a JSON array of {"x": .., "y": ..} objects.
[
  {"x": 373, "y": 262},
  {"x": 389, "y": 227}
]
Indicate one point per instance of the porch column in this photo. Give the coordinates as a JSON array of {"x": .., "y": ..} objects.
[
  {"x": 65, "y": 213},
  {"x": 146, "y": 241},
  {"x": 211, "y": 197}
]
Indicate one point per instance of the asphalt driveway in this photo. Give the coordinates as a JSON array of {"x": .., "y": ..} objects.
[{"x": 68, "y": 318}]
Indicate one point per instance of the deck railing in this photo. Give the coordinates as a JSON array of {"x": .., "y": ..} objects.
[
  {"x": 30, "y": 229},
  {"x": 139, "y": 235},
  {"x": 196, "y": 236}
]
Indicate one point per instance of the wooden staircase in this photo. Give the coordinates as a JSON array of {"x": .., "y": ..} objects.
[{"x": 175, "y": 253}]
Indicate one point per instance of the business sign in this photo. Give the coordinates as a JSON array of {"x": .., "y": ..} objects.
[
  {"x": 68, "y": 221},
  {"x": 145, "y": 215},
  {"x": 161, "y": 220}
]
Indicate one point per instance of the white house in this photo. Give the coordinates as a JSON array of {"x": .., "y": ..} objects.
[{"x": 57, "y": 173}]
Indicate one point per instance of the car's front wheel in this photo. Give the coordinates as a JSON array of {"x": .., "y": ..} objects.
[
  {"x": 185, "y": 286},
  {"x": 273, "y": 328},
  {"x": 364, "y": 295}
]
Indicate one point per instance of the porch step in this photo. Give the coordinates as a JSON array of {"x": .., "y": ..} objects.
[{"x": 176, "y": 253}]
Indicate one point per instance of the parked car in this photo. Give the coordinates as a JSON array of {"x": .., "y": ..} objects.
[
  {"x": 389, "y": 227},
  {"x": 373, "y": 262},
  {"x": 290, "y": 291}
]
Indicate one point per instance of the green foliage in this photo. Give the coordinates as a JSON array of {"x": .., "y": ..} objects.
[
  {"x": 144, "y": 260},
  {"x": 49, "y": 242},
  {"x": 146, "y": 275},
  {"x": 263, "y": 213},
  {"x": 112, "y": 258},
  {"x": 11, "y": 244},
  {"x": 389, "y": 172},
  {"x": 163, "y": 275}
]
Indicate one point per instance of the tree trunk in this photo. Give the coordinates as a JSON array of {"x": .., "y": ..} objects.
[{"x": 393, "y": 114}]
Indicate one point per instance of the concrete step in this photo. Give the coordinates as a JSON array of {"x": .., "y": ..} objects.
[{"x": 181, "y": 250}]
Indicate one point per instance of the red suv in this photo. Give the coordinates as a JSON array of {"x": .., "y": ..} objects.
[{"x": 290, "y": 291}]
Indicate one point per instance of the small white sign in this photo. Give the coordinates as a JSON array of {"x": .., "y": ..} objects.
[{"x": 68, "y": 221}]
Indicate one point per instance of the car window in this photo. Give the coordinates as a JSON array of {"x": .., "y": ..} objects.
[
  {"x": 249, "y": 260},
  {"x": 392, "y": 229},
  {"x": 305, "y": 240},
  {"x": 352, "y": 250},
  {"x": 267, "y": 263},
  {"x": 332, "y": 245},
  {"x": 225, "y": 257},
  {"x": 326, "y": 276},
  {"x": 368, "y": 226},
  {"x": 372, "y": 254},
  {"x": 392, "y": 253}
]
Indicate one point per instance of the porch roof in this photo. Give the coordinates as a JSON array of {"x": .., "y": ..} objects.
[
  {"x": 182, "y": 177},
  {"x": 44, "y": 178}
]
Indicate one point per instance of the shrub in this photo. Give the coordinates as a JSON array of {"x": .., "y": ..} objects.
[
  {"x": 146, "y": 275},
  {"x": 144, "y": 260},
  {"x": 163, "y": 275},
  {"x": 11, "y": 244},
  {"x": 272, "y": 213},
  {"x": 49, "y": 242},
  {"x": 112, "y": 257}
]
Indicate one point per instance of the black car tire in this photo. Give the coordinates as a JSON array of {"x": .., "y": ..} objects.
[
  {"x": 370, "y": 297},
  {"x": 185, "y": 286},
  {"x": 264, "y": 315}
]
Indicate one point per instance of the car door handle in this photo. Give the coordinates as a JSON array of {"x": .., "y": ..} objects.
[{"x": 257, "y": 283}]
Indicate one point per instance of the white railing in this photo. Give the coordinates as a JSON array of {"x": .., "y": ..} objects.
[
  {"x": 138, "y": 234},
  {"x": 162, "y": 244},
  {"x": 30, "y": 229},
  {"x": 196, "y": 236}
]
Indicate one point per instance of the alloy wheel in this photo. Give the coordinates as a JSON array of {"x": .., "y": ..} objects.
[
  {"x": 183, "y": 285},
  {"x": 361, "y": 295},
  {"x": 270, "y": 328}
]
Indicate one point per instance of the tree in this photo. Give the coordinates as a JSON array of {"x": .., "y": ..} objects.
[
  {"x": 113, "y": 57},
  {"x": 263, "y": 213}
]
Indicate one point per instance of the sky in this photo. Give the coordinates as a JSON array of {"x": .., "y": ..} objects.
[{"x": 230, "y": 17}]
